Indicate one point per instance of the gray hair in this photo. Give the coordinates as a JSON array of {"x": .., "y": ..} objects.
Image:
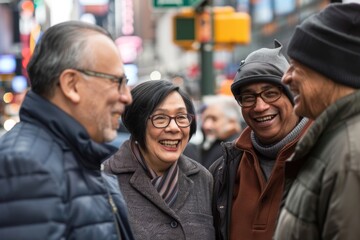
[
  {"x": 228, "y": 104},
  {"x": 61, "y": 47}
]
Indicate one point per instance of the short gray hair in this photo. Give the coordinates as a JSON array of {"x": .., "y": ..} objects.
[
  {"x": 61, "y": 47},
  {"x": 228, "y": 104}
]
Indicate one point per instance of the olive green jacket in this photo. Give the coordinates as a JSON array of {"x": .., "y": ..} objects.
[{"x": 323, "y": 202}]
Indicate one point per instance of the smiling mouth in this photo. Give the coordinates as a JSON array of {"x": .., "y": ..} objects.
[
  {"x": 264, "y": 119},
  {"x": 169, "y": 143}
]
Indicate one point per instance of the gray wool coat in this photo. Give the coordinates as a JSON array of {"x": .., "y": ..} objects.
[{"x": 189, "y": 218}]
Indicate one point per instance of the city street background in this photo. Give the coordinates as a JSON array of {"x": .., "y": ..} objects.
[{"x": 178, "y": 40}]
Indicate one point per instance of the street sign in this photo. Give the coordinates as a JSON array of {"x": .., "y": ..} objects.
[{"x": 176, "y": 3}]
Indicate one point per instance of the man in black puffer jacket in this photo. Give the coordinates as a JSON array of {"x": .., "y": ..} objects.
[{"x": 51, "y": 183}]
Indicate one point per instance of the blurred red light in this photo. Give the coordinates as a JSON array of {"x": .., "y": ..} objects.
[{"x": 27, "y": 6}]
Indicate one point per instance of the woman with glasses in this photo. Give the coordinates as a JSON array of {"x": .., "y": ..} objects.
[{"x": 168, "y": 194}]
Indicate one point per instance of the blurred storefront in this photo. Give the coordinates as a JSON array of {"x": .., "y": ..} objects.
[
  {"x": 16, "y": 44},
  {"x": 143, "y": 33}
]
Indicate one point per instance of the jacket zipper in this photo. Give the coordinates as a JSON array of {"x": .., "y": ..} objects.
[{"x": 115, "y": 215}]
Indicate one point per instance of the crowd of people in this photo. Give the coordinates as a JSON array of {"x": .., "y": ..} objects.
[{"x": 282, "y": 162}]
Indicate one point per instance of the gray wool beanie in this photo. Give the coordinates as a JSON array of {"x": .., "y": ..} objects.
[
  {"x": 329, "y": 43},
  {"x": 263, "y": 65}
]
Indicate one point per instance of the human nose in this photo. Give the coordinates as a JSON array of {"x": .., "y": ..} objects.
[
  {"x": 125, "y": 95},
  {"x": 260, "y": 104},
  {"x": 286, "y": 78},
  {"x": 172, "y": 123},
  {"x": 206, "y": 124}
]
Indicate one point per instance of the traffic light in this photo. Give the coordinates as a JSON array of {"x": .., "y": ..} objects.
[
  {"x": 227, "y": 27},
  {"x": 184, "y": 28},
  {"x": 231, "y": 27}
]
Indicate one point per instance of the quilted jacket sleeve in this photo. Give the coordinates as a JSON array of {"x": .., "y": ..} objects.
[
  {"x": 32, "y": 191},
  {"x": 341, "y": 211}
]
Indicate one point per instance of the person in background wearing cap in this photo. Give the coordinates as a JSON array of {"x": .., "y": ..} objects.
[
  {"x": 324, "y": 74},
  {"x": 249, "y": 179}
]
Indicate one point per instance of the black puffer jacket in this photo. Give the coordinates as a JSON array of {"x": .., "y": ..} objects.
[
  {"x": 50, "y": 180},
  {"x": 224, "y": 172}
]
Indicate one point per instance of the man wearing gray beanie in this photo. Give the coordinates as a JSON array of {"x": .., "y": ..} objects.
[
  {"x": 249, "y": 179},
  {"x": 324, "y": 76}
]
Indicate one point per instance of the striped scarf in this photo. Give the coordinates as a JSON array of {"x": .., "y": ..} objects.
[{"x": 167, "y": 184}]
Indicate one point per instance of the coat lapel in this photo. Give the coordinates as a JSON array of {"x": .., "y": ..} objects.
[
  {"x": 186, "y": 186},
  {"x": 141, "y": 182}
]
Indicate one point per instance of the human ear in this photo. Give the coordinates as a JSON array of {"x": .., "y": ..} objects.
[{"x": 69, "y": 84}]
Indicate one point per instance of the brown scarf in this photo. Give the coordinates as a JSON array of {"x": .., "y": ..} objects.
[{"x": 167, "y": 184}]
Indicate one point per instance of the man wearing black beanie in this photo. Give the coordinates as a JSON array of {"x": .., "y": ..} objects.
[{"x": 324, "y": 75}]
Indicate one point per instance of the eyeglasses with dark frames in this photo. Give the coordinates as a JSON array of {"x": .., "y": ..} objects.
[
  {"x": 269, "y": 95},
  {"x": 120, "y": 80},
  {"x": 163, "y": 120}
]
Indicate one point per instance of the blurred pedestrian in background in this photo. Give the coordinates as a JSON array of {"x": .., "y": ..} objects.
[
  {"x": 168, "y": 194},
  {"x": 221, "y": 121},
  {"x": 249, "y": 179},
  {"x": 51, "y": 183},
  {"x": 325, "y": 76}
]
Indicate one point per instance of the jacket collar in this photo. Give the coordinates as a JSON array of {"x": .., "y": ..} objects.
[
  {"x": 292, "y": 167},
  {"x": 125, "y": 162},
  {"x": 339, "y": 111},
  {"x": 67, "y": 132}
]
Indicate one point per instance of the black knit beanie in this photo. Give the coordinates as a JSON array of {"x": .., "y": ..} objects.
[
  {"x": 263, "y": 65},
  {"x": 329, "y": 42}
]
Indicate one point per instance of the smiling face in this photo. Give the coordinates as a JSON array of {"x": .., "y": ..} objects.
[
  {"x": 165, "y": 145},
  {"x": 270, "y": 122},
  {"x": 102, "y": 102},
  {"x": 313, "y": 92}
]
